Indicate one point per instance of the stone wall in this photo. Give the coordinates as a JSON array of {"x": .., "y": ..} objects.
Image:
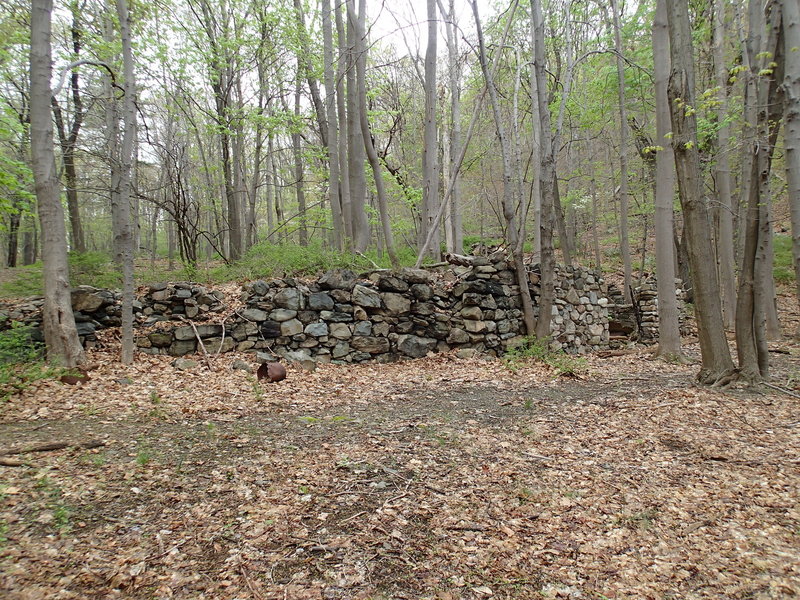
[{"x": 340, "y": 317}]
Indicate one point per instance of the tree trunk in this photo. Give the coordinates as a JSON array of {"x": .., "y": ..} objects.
[
  {"x": 69, "y": 140},
  {"x": 717, "y": 364},
  {"x": 299, "y": 177},
  {"x": 333, "y": 127},
  {"x": 722, "y": 174},
  {"x": 624, "y": 244},
  {"x": 355, "y": 143},
  {"x": 548, "y": 175},
  {"x": 304, "y": 60},
  {"x": 58, "y": 321},
  {"x": 344, "y": 132},
  {"x": 669, "y": 337},
  {"x": 791, "y": 125},
  {"x": 372, "y": 155},
  {"x": 430, "y": 146},
  {"x": 123, "y": 226},
  {"x": 456, "y": 229},
  {"x": 754, "y": 296},
  {"x": 509, "y": 199}
]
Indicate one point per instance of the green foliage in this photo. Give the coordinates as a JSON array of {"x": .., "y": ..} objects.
[
  {"x": 783, "y": 269},
  {"x": 21, "y": 362},
  {"x": 266, "y": 260},
  {"x": 538, "y": 350},
  {"x": 89, "y": 268}
]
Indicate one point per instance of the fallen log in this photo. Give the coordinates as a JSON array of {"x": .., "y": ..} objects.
[{"x": 53, "y": 446}]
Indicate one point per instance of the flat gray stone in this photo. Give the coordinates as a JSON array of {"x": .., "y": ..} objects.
[
  {"x": 184, "y": 364},
  {"x": 415, "y": 346},
  {"x": 290, "y": 298},
  {"x": 320, "y": 301},
  {"x": 396, "y": 304},
  {"x": 372, "y": 345},
  {"x": 364, "y": 296},
  {"x": 282, "y": 314},
  {"x": 291, "y": 327},
  {"x": 254, "y": 314},
  {"x": 316, "y": 329}
]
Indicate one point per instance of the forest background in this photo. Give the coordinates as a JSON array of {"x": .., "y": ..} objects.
[{"x": 241, "y": 139}]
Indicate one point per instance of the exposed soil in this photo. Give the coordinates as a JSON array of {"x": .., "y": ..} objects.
[{"x": 436, "y": 478}]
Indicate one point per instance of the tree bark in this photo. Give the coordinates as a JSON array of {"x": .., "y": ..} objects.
[
  {"x": 754, "y": 296},
  {"x": 355, "y": 143},
  {"x": 372, "y": 155},
  {"x": 722, "y": 174},
  {"x": 624, "y": 244},
  {"x": 669, "y": 337},
  {"x": 61, "y": 336},
  {"x": 791, "y": 124},
  {"x": 299, "y": 176},
  {"x": 333, "y": 127},
  {"x": 123, "y": 226},
  {"x": 548, "y": 176},
  {"x": 430, "y": 146},
  {"x": 717, "y": 364},
  {"x": 69, "y": 140}
]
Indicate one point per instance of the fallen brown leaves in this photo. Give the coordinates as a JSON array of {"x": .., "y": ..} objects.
[{"x": 438, "y": 478}]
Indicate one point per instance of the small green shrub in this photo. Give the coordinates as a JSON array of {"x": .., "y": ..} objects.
[{"x": 538, "y": 350}]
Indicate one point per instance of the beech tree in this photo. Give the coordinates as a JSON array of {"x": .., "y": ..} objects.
[
  {"x": 669, "y": 337},
  {"x": 61, "y": 336},
  {"x": 791, "y": 124},
  {"x": 717, "y": 365}
]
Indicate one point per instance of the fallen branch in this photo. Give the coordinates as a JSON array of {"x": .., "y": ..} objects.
[
  {"x": 201, "y": 344},
  {"x": 54, "y": 446},
  {"x": 780, "y": 389},
  {"x": 10, "y": 462}
]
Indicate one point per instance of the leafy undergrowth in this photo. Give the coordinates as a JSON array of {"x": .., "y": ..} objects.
[{"x": 437, "y": 478}]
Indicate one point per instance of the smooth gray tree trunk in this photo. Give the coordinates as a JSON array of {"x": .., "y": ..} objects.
[
  {"x": 430, "y": 145},
  {"x": 717, "y": 365},
  {"x": 548, "y": 175},
  {"x": 791, "y": 125},
  {"x": 58, "y": 321},
  {"x": 624, "y": 244},
  {"x": 669, "y": 337},
  {"x": 333, "y": 127},
  {"x": 722, "y": 174},
  {"x": 123, "y": 225}
]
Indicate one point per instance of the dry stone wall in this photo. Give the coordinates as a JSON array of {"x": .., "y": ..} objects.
[{"x": 340, "y": 317}]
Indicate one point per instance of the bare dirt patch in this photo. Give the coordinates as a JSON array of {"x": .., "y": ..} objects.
[{"x": 437, "y": 478}]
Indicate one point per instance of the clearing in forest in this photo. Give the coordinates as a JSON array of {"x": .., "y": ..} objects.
[{"x": 437, "y": 478}]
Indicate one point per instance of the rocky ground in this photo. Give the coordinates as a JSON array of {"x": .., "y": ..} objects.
[{"x": 436, "y": 478}]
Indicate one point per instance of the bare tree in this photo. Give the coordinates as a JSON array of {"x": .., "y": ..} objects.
[
  {"x": 430, "y": 146},
  {"x": 61, "y": 336},
  {"x": 624, "y": 244},
  {"x": 369, "y": 147},
  {"x": 509, "y": 187},
  {"x": 548, "y": 175},
  {"x": 717, "y": 365},
  {"x": 123, "y": 233},
  {"x": 68, "y": 136},
  {"x": 791, "y": 126},
  {"x": 754, "y": 295},
  {"x": 333, "y": 127},
  {"x": 669, "y": 337},
  {"x": 722, "y": 173}
]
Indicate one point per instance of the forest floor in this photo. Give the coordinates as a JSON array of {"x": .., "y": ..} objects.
[{"x": 438, "y": 478}]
